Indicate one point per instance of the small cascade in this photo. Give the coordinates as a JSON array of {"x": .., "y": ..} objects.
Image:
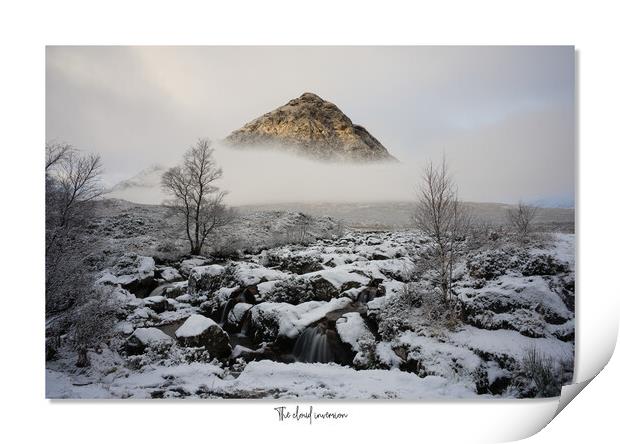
[
  {"x": 229, "y": 305},
  {"x": 313, "y": 346},
  {"x": 246, "y": 322}
]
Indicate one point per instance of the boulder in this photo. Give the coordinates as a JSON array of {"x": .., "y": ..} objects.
[
  {"x": 353, "y": 331},
  {"x": 236, "y": 315},
  {"x": 199, "y": 331},
  {"x": 189, "y": 264},
  {"x": 270, "y": 321},
  {"x": 132, "y": 272},
  {"x": 323, "y": 289},
  {"x": 158, "y": 304},
  {"x": 207, "y": 278},
  {"x": 143, "y": 338},
  {"x": 168, "y": 274},
  {"x": 373, "y": 290},
  {"x": 176, "y": 289}
]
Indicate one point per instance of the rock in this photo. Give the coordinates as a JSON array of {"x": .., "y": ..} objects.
[
  {"x": 312, "y": 127},
  {"x": 207, "y": 278},
  {"x": 526, "y": 305},
  {"x": 168, "y": 274},
  {"x": 199, "y": 331},
  {"x": 146, "y": 337},
  {"x": 269, "y": 321},
  {"x": 373, "y": 290},
  {"x": 245, "y": 294},
  {"x": 353, "y": 331},
  {"x": 236, "y": 315},
  {"x": 158, "y": 304},
  {"x": 323, "y": 289},
  {"x": 189, "y": 264},
  {"x": 176, "y": 289},
  {"x": 132, "y": 272},
  {"x": 296, "y": 263}
]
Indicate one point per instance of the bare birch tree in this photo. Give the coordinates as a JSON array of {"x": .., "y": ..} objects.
[
  {"x": 195, "y": 196},
  {"x": 441, "y": 216},
  {"x": 521, "y": 218}
]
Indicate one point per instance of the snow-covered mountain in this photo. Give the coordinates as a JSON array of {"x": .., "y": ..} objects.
[{"x": 144, "y": 187}]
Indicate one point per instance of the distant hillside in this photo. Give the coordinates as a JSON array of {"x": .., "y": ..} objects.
[{"x": 398, "y": 214}]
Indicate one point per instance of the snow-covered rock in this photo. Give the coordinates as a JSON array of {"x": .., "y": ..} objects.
[
  {"x": 352, "y": 328},
  {"x": 132, "y": 272},
  {"x": 189, "y": 264},
  {"x": 200, "y": 331},
  {"x": 236, "y": 314},
  {"x": 146, "y": 337},
  {"x": 526, "y": 305},
  {"x": 158, "y": 304},
  {"x": 270, "y": 320},
  {"x": 170, "y": 274},
  {"x": 206, "y": 278}
]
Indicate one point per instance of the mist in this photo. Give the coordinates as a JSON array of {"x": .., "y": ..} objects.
[{"x": 262, "y": 175}]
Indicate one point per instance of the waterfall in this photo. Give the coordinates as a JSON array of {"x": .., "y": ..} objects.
[
  {"x": 312, "y": 346},
  {"x": 227, "y": 308}
]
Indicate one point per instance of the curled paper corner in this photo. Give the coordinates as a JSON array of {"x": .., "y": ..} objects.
[
  {"x": 598, "y": 362},
  {"x": 569, "y": 392}
]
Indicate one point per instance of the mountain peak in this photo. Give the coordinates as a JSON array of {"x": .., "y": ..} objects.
[{"x": 312, "y": 127}]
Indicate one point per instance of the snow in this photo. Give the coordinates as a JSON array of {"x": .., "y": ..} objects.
[
  {"x": 60, "y": 385},
  {"x": 207, "y": 270},
  {"x": 124, "y": 327},
  {"x": 236, "y": 314},
  {"x": 247, "y": 273},
  {"x": 189, "y": 264},
  {"x": 151, "y": 336},
  {"x": 266, "y": 287},
  {"x": 509, "y": 343},
  {"x": 170, "y": 274},
  {"x": 292, "y": 319},
  {"x": 338, "y": 276},
  {"x": 266, "y": 379},
  {"x": 312, "y": 381},
  {"x": 439, "y": 357},
  {"x": 386, "y": 355},
  {"x": 439, "y": 363},
  {"x": 131, "y": 267},
  {"x": 194, "y": 325},
  {"x": 146, "y": 266},
  {"x": 351, "y": 328}
]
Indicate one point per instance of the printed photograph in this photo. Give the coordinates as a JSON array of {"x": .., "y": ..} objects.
[{"x": 309, "y": 223}]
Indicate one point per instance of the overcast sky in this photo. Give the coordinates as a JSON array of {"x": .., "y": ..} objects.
[{"x": 503, "y": 116}]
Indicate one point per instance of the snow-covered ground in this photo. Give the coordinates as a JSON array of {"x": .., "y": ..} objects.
[{"x": 240, "y": 328}]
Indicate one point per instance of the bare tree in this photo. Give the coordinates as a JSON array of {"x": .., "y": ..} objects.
[
  {"x": 441, "y": 216},
  {"x": 195, "y": 196},
  {"x": 521, "y": 218},
  {"x": 72, "y": 182},
  {"x": 72, "y": 304},
  {"x": 56, "y": 153}
]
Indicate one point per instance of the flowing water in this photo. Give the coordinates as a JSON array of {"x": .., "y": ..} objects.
[{"x": 313, "y": 346}]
